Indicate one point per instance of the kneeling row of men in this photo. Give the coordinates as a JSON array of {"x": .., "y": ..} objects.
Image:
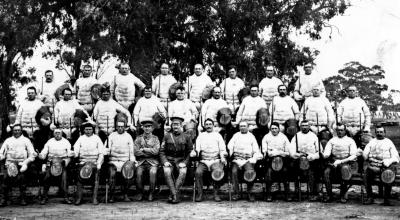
[{"x": 175, "y": 152}]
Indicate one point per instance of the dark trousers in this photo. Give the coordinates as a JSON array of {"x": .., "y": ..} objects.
[
  {"x": 309, "y": 174},
  {"x": 236, "y": 171},
  {"x": 280, "y": 176},
  {"x": 47, "y": 178},
  {"x": 140, "y": 171},
  {"x": 200, "y": 171},
  {"x": 331, "y": 173},
  {"x": 112, "y": 176},
  {"x": 174, "y": 186},
  {"x": 369, "y": 176},
  {"x": 20, "y": 181},
  {"x": 94, "y": 180}
]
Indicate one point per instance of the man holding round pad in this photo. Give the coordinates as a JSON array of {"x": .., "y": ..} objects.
[
  {"x": 147, "y": 147},
  {"x": 121, "y": 159},
  {"x": 211, "y": 149},
  {"x": 174, "y": 155},
  {"x": 57, "y": 153},
  {"x": 90, "y": 153},
  {"x": 341, "y": 151},
  {"x": 275, "y": 147},
  {"x": 18, "y": 153}
]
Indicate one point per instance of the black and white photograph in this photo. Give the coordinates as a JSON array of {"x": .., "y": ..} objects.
[{"x": 199, "y": 109}]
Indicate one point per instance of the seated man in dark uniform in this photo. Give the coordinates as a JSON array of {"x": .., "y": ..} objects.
[{"x": 174, "y": 155}]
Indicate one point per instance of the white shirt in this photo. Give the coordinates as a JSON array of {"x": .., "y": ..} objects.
[
  {"x": 89, "y": 149},
  {"x": 350, "y": 110},
  {"x": 84, "y": 86},
  {"x": 211, "y": 107},
  {"x": 230, "y": 89},
  {"x": 161, "y": 85},
  {"x": 17, "y": 149},
  {"x": 272, "y": 143},
  {"x": 108, "y": 110},
  {"x": 121, "y": 149},
  {"x": 248, "y": 109},
  {"x": 307, "y": 143},
  {"x": 283, "y": 108},
  {"x": 182, "y": 108},
  {"x": 125, "y": 88},
  {"x": 56, "y": 148},
  {"x": 244, "y": 148},
  {"x": 269, "y": 88},
  {"x": 197, "y": 84},
  {"x": 146, "y": 107},
  {"x": 308, "y": 82},
  {"x": 340, "y": 148},
  {"x": 64, "y": 112},
  {"x": 320, "y": 106},
  {"x": 381, "y": 149},
  {"x": 212, "y": 147}
]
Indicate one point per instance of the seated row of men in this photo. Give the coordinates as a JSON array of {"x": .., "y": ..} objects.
[{"x": 300, "y": 158}]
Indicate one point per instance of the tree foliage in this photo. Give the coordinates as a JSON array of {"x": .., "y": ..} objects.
[
  {"x": 366, "y": 79},
  {"x": 184, "y": 32}
]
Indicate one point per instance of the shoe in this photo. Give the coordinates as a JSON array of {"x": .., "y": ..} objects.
[
  {"x": 170, "y": 198},
  {"x": 269, "y": 198},
  {"x": 127, "y": 199},
  {"x": 313, "y": 198},
  {"x": 217, "y": 198},
  {"x": 327, "y": 199},
  {"x": 67, "y": 200},
  {"x": 3, "y": 202},
  {"x": 368, "y": 201},
  {"x": 251, "y": 197},
  {"x": 175, "y": 199},
  {"x": 43, "y": 201},
  {"x": 23, "y": 202},
  {"x": 235, "y": 197},
  {"x": 95, "y": 201},
  {"x": 78, "y": 202},
  {"x": 199, "y": 198},
  {"x": 111, "y": 199},
  {"x": 343, "y": 200},
  {"x": 151, "y": 197},
  {"x": 139, "y": 197}
]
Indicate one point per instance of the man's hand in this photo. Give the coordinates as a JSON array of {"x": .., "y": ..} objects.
[
  {"x": 296, "y": 155},
  {"x": 387, "y": 162},
  {"x": 107, "y": 151},
  {"x": 223, "y": 161},
  {"x": 252, "y": 160},
  {"x": 310, "y": 158},
  {"x": 24, "y": 167},
  {"x": 359, "y": 152},
  {"x": 193, "y": 153},
  {"x": 181, "y": 165},
  {"x": 98, "y": 166},
  {"x": 44, "y": 168},
  {"x": 337, "y": 162},
  {"x": 167, "y": 164}
]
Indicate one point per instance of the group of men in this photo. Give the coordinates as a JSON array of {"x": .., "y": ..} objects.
[{"x": 106, "y": 136}]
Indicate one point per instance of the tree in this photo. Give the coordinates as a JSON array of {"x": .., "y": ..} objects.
[
  {"x": 366, "y": 79},
  {"x": 184, "y": 32}
]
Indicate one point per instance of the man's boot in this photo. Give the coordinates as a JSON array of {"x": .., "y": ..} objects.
[
  {"x": 22, "y": 190},
  {"x": 216, "y": 196},
  {"x": 199, "y": 196},
  {"x": 44, "y": 198},
  {"x": 268, "y": 196},
  {"x": 79, "y": 192},
  {"x": 287, "y": 191}
]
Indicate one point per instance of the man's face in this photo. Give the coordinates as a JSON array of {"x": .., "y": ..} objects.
[
  {"x": 86, "y": 72},
  {"x": 176, "y": 126},
  {"x": 31, "y": 94},
  {"x": 315, "y": 92},
  {"x": 217, "y": 93},
  {"x": 164, "y": 69},
  {"x": 88, "y": 131},
  {"x": 274, "y": 130},
  {"x": 254, "y": 91},
  {"x": 49, "y": 77},
  {"x": 308, "y": 69},
  {"x": 269, "y": 71},
  {"x": 124, "y": 69},
  {"x": 105, "y": 96},
  {"x": 352, "y": 92},
  {"x": 209, "y": 126},
  {"x": 17, "y": 131},
  {"x": 57, "y": 135},
  {"x": 232, "y": 73},
  {"x": 380, "y": 133},
  {"x": 180, "y": 94},
  {"x": 67, "y": 95},
  {"x": 198, "y": 69},
  {"x": 120, "y": 127},
  {"x": 282, "y": 91},
  {"x": 305, "y": 128},
  {"x": 148, "y": 128},
  {"x": 243, "y": 127},
  {"x": 147, "y": 93},
  {"x": 341, "y": 132}
]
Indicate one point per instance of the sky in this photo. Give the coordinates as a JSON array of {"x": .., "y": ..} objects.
[{"x": 368, "y": 32}]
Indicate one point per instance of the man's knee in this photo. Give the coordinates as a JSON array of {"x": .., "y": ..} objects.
[
  {"x": 153, "y": 170},
  {"x": 182, "y": 170}
]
